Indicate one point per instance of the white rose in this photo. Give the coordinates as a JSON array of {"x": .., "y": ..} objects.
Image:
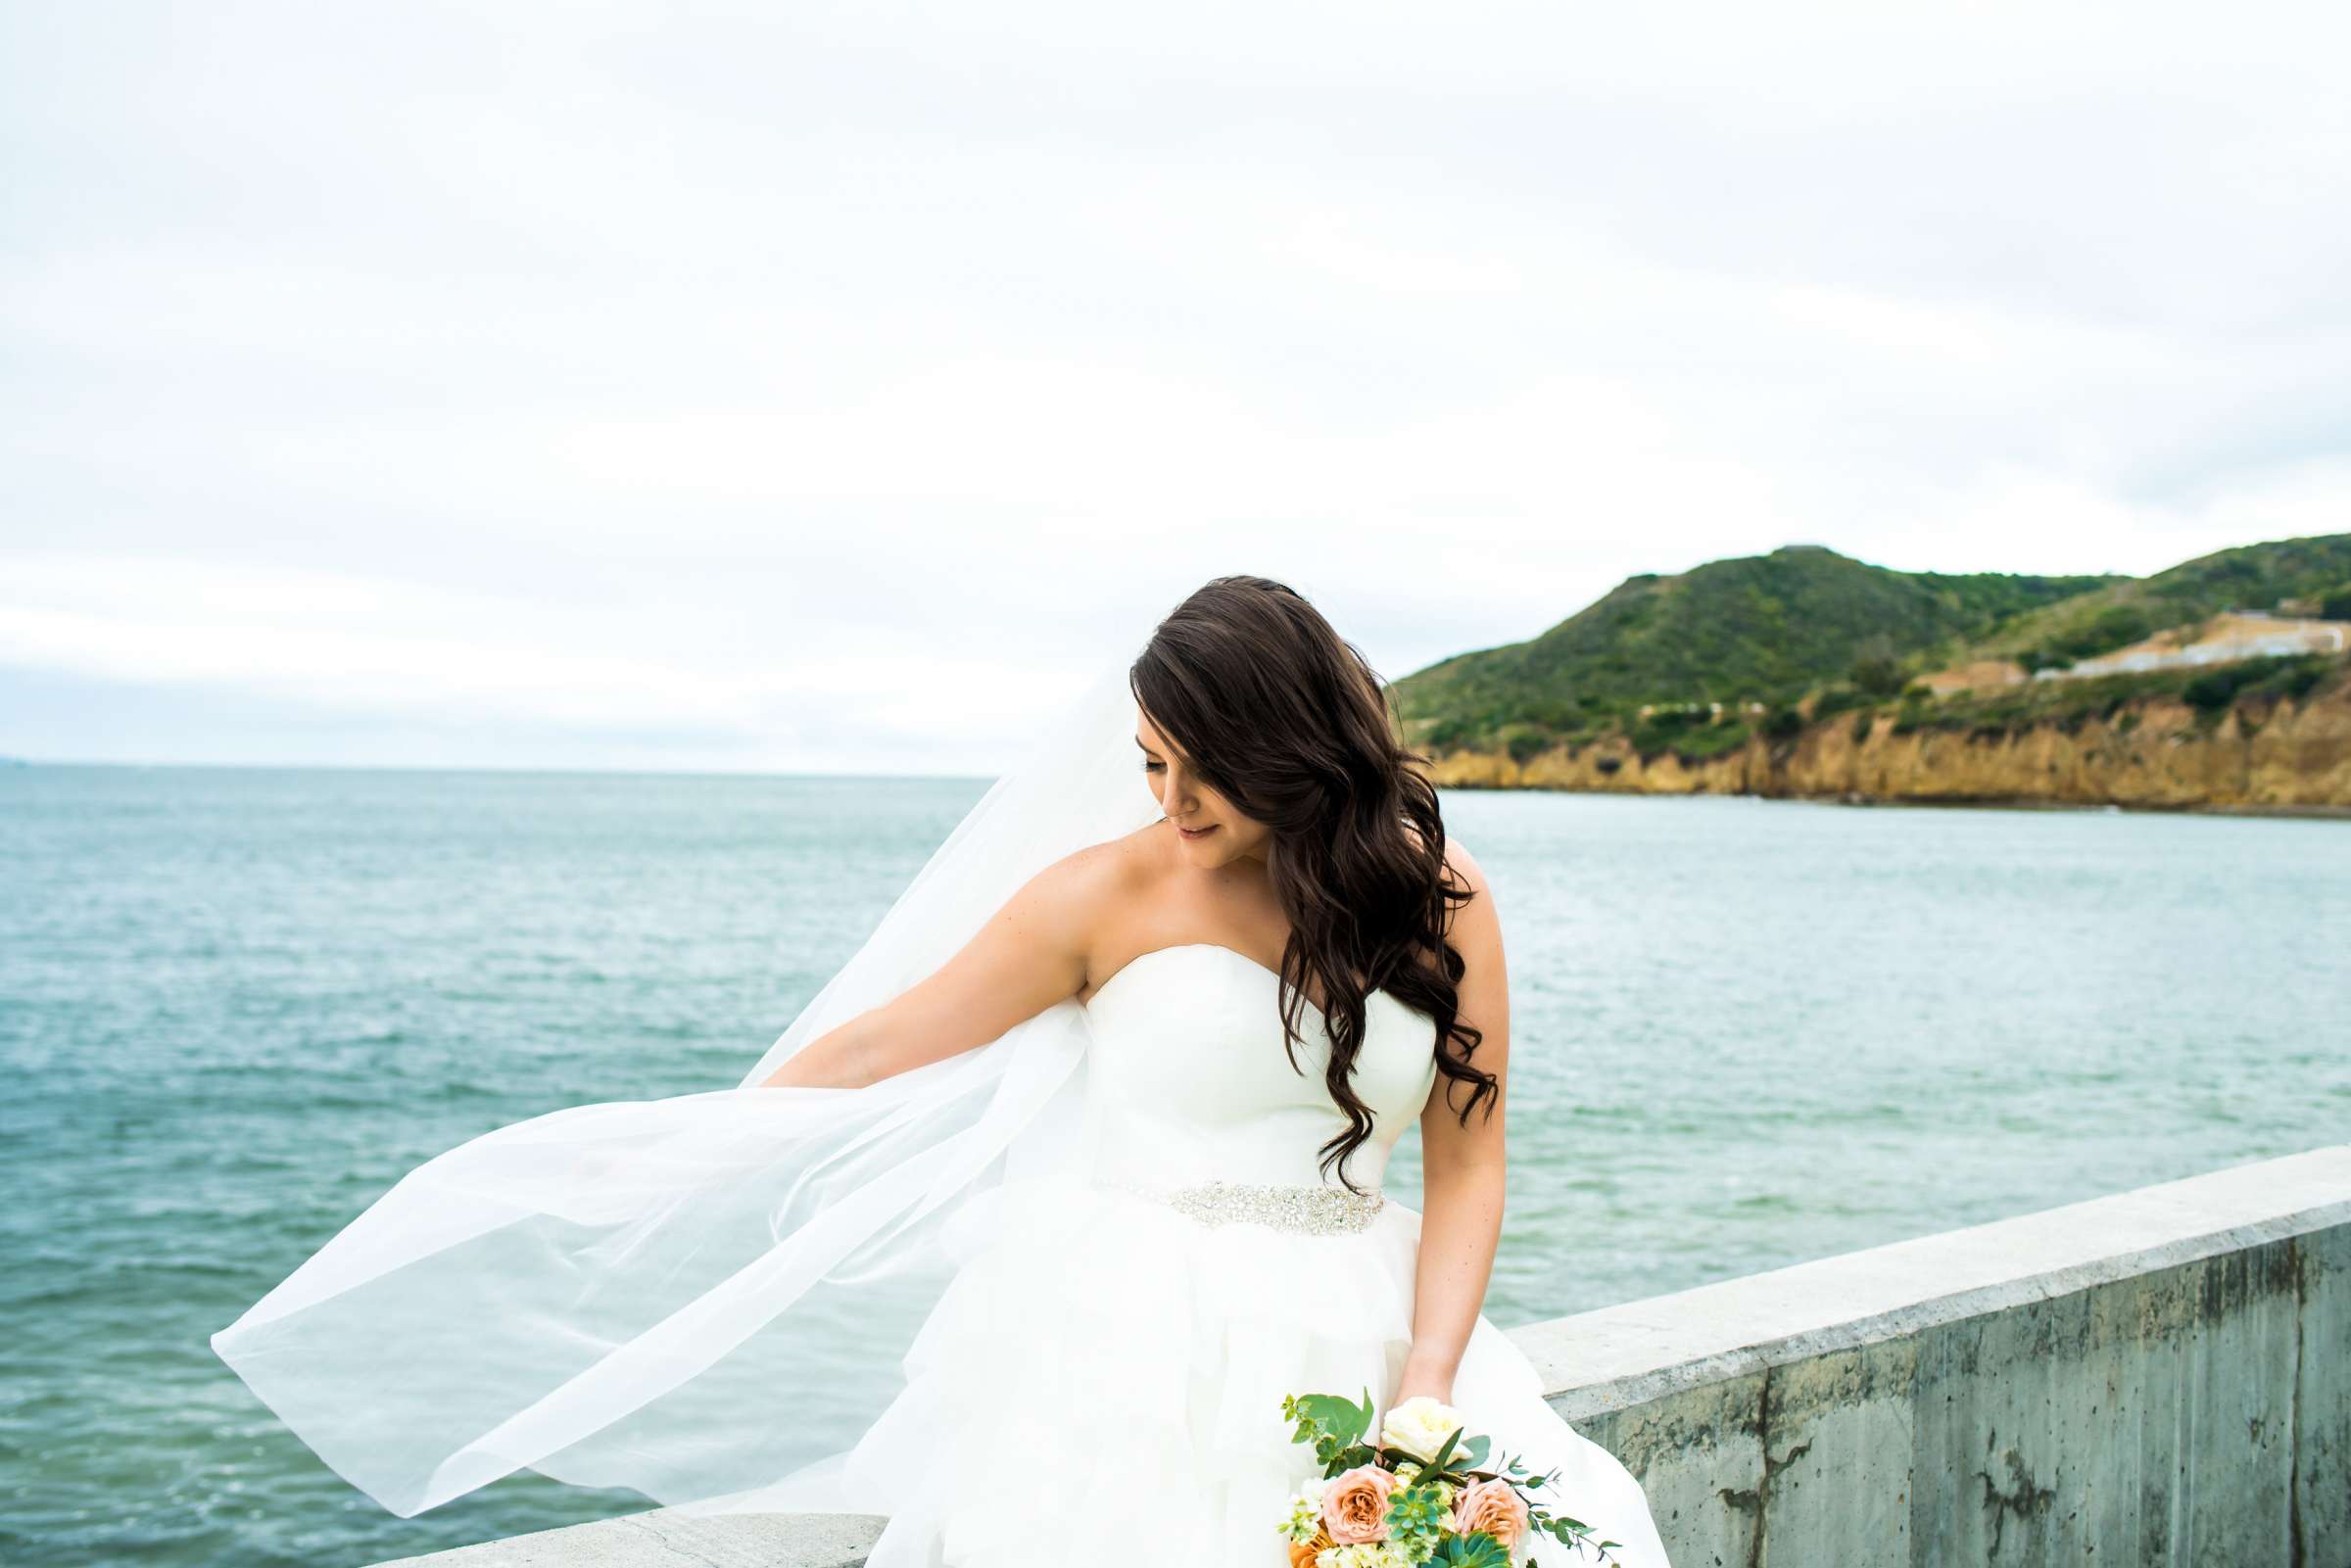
[{"x": 1419, "y": 1426}]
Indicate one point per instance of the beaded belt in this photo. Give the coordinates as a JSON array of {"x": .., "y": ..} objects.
[{"x": 1305, "y": 1210}]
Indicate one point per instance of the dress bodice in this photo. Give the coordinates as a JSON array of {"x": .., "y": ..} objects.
[{"x": 1190, "y": 1081}]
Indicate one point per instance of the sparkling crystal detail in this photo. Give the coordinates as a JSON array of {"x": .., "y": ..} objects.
[{"x": 1305, "y": 1211}]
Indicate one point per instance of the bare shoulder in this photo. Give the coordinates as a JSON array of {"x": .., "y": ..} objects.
[
  {"x": 1134, "y": 862},
  {"x": 1462, "y": 867},
  {"x": 1099, "y": 870},
  {"x": 1082, "y": 893}
]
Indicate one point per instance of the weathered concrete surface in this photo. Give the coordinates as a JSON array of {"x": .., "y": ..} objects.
[
  {"x": 661, "y": 1538},
  {"x": 2159, "y": 1377},
  {"x": 2322, "y": 1430}
]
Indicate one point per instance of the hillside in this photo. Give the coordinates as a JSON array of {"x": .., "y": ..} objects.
[
  {"x": 1805, "y": 671},
  {"x": 2281, "y": 744},
  {"x": 2311, "y": 574},
  {"x": 1759, "y": 628}
]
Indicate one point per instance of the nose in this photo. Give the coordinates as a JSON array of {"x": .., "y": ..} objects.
[{"x": 1174, "y": 790}]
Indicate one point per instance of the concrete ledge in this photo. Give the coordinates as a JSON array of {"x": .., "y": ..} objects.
[
  {"x": 661, "y": 1538},
  {"x": 1638, "y": 1351},
  {"x": 2162, "y": 1376}
]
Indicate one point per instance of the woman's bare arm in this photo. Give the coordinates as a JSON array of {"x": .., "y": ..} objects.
[
  {"x": 1460, "y": 1221},
  {"x": 1029, "y": 955}
]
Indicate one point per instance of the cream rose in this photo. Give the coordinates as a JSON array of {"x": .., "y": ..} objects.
[
  {"x": 1355, "y": 1509},
  {"x": 1493, "y": 1506},
  {"x": 1419, "y": 1426}
]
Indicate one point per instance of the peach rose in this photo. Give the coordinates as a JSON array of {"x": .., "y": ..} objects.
[
  {"x": 1493, "y": 1506},
  {"x": 1355, "y": 1509}
]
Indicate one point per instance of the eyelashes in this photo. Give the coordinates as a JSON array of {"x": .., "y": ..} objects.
[{"x": 1155, "y": 767}]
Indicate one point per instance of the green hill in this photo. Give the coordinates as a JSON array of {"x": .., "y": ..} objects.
[
  {"x": 1805, "y": 621},
  {"x": 2316, "y": 570},
  {"x": 1760, "y": 629}
]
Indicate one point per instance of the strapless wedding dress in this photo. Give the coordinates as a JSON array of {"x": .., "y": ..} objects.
[{"x": 1102, "y": 1381}]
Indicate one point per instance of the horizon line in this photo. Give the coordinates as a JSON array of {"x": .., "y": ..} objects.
[{"x": 13, "y": 761}]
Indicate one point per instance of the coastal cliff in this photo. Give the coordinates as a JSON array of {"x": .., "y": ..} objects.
[
  {"x": 2223, "y": 683},
  {"x": 2156, "y": 750}
]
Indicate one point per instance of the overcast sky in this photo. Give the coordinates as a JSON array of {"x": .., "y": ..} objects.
[{"x": 799, "y": 388}]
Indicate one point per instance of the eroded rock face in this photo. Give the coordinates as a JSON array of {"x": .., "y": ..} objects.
[{"x": 2149, "y": 753}]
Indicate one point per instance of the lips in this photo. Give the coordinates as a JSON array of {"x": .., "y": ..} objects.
[{"x": 1195, "y": 832}]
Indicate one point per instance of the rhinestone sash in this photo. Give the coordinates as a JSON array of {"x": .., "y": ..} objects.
[{"x": 1303, "y": 1210}]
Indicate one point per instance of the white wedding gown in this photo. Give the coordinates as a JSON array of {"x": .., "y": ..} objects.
[
  {"x": 1102, "y": 1382},
  {"x": 1057, "y": 1285}
]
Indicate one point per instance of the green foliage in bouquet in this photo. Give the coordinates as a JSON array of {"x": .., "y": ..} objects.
[
  {"x": 1334, "y": 1426},
  {"x": 1476, "y": 1550},
  {"x": 1420, "y": 1515}
]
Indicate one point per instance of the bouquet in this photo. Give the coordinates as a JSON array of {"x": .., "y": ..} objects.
[{"x": 1422, "y": 1494}]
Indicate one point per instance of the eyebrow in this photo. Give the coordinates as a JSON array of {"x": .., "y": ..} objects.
[{"x": 1139, "y": 740}]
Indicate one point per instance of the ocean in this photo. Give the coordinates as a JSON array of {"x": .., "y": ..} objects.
[{"x": 237, "y": 1004}]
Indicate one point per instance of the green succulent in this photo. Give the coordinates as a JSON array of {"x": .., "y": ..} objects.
[
  {"x": 1418, "y": 1518},
  {"x": 1476, "y": 1550}
]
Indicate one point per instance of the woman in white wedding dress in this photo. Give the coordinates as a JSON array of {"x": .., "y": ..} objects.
[{"x": 1101, "y": 1116}]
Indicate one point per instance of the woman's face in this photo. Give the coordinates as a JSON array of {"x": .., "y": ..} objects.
[{"x": 1212, "y": 832}]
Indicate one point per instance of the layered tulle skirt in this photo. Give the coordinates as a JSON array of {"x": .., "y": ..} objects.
[{"x": 1103, "y": 1382}]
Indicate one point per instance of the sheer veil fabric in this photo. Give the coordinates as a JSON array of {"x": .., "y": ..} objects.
[{"x": 696, "y": 1296}]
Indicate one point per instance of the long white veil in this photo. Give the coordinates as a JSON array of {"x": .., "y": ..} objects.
[{"x": 699, "y": 1296}]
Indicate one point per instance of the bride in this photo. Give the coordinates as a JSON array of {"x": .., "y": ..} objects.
[{"x": 1052, "y": 1195}]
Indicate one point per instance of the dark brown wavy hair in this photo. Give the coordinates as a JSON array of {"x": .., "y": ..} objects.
[{"x": 1284, "y": 718}]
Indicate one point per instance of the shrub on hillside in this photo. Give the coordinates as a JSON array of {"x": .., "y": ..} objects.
[
  {"x": 2116, "y": 626},
  {"x": 2284, "y": 675},
  {"x": 1836, "y": 699},
  {"x": 1713, "y": 741},
  {"x": 1876, "y": 670}
]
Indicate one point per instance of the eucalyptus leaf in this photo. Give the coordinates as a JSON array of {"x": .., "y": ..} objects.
[{"x": 1343, "y": 1419}]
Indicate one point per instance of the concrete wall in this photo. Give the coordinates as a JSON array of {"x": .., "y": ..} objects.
[{"x": 2159, "y": 1377}]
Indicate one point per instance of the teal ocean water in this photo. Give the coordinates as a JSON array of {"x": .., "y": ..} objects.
[{"x": 236, "y": 1005}]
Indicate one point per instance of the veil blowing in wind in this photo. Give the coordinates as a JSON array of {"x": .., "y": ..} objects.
[{"x": 653, "y": 1294}]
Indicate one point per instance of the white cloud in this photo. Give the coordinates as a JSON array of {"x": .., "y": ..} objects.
[{"x": 820, "y": 388}]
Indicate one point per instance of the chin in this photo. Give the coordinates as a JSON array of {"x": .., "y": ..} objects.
[
  {"x": 1221, "y": 848},
  {"x": 1212, "y": 850}
]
